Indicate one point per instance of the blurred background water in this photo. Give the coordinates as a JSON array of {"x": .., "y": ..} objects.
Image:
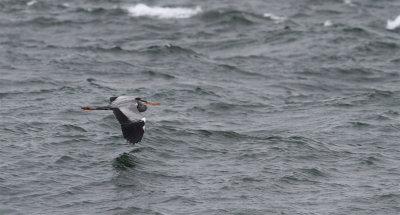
[{"x": 268, "y": 107}]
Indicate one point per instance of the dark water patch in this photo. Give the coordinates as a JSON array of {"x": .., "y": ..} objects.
[
  {"x": 251, "y": 180},
  {"x": 356, "y": 32},
  {"x": 229, "y": 17},
  {"x": 273, "y": 138},
  {"x": 240, "y": 105},
  {"x": 93, "y": 82},
  {"x": 392, "y": 113},
  {"x": 313, "y": 172},
  {"x": 329, "y": 12},
  {"x": 47, "y": 22},
  {"x": 28, "y": 128},
  {"x": 124, "y": 161},
  {"x": 342, "y": 103},
  {"x": 379, "y": 97},
  {"x": 30, "y": 81},
  {"x": 178, "y": 198},
  {"x": 173, "y": 122},
  {"x": 370, "y": 160},
  {"x": 206, "y": 152},
  {"x": 380, "y": 94},
  {"x": 296, "y": 179},
  {"x": 347, "y": 74},
  {"x": 13, "y": 94},
  {"x": 310, "y": 156},
  {"x": 390, "y": 128},
  {"x": 393, "y": 198},
  {"x": 360, "y": 125},
  {"x": 154, "y": 74},
  {"x": 100, "y": 49},
  {"x": 380, "y": 117},
  {"x": 26, "y": 43},
  {"x": 133, "y": 210},
  {"x": 308, "y": 88},
  {"x": 282, "y": 36},
  {"x": 203, "y": 91},
  {"x": 225, "y": 134},
  {"x": 187, "y": 93},
  {"x": 372, "y": 97},
  {"x": 168, "y": 50},
  {"x": 395, "y": 60},
  {"x": 64, "y": 159},
  {"x": 101, "y": 11},
  {"x": 222, "y": 106},
  {"x": 256, "y": 154},
  {"x": 83, "y": 55},
  {"x": 168, "y": 130},
  {"x": 233, "y": 69},
  {"x": 302, "y": 148},
  {"x": 70, "y": 141},
  {"x": 196, "y": 134},
  {"x": 377, "y": 48},
  {"x": 73, "y": 128}
]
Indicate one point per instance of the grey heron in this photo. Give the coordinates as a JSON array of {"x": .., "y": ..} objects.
[{"x": 127, "y": 110}]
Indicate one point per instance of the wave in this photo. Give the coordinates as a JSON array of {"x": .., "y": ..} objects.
[
  {"x": 231, "y": 17},
  {"x": 348, "y": 2},
  {"x": 168, "y": 50},
  {"x": 393, "y": 24},
  {"x": 163, "y": 12},
  {"x": 31, "y": 3},
  {"x": 328, "y": 23},
  {"x": 275, "y": 17}
]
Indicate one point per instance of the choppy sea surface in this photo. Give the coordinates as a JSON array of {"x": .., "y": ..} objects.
[{"x": 268, "y": 107}]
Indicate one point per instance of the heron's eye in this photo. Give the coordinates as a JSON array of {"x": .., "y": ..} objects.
[{"x": 138, "y": 98}]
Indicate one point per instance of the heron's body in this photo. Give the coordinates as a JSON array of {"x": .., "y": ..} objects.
[{"x": 127, "y": 111}]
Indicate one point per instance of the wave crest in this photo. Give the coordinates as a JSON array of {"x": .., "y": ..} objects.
[
  {"x": 163, "y": 12},
  {"x": 393, "y": 24}
]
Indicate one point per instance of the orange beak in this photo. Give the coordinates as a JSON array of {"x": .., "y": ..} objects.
[
  {"x": 152, "y": 103},
  {"x": 88, "y": 108}
]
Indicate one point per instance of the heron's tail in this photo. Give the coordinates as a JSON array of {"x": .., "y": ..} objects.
[{"x": 96, "y": 108}]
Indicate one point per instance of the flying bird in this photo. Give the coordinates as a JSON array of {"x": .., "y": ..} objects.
[{"x": 127, "y": 111}]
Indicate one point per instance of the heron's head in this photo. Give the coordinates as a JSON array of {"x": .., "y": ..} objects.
[{"x": 142, "y": 104}]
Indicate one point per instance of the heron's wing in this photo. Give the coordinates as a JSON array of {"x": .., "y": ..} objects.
[
  {"x": 132, "y": 122},
  {"x": 122, "y": 100},
  {"x": 113, "y": 98}
]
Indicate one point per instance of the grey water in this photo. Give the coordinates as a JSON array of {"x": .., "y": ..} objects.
[{"x": 267, "y": 107}]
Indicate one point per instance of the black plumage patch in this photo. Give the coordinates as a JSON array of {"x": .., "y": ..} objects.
[
  {"x": 122, "y": 119},
  {"x": 113, "y": 98},
  {"x": 132, "y": 130}
]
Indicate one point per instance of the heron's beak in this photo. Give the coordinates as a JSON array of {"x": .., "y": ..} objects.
[
  {"x": 152, "y": 103},
  {"x": 88, "y": 108}
]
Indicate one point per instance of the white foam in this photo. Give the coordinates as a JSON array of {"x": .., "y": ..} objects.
[
  {"x": 348, "y": 2},
  {"x": 393, "y": 24},
  {"x": 31, "y": 3},
  {"x": 275, "y": 17},
  {"x": 328, "y": 23},
  {"x": 163, "y": 12}
]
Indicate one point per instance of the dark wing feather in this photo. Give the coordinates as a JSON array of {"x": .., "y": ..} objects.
[
  {"x": 113, "y": 98},
  {"x": 131, "y": 129},
  {"x": 133, "y": 132}
]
